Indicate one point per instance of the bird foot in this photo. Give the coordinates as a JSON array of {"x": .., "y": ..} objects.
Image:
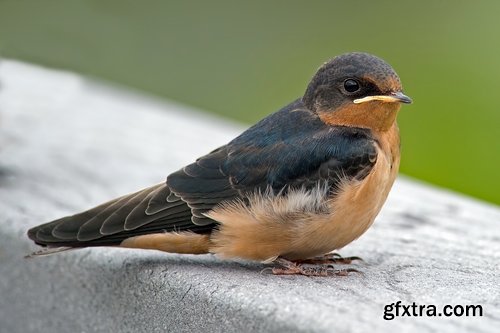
[
  {"x": 329, "y": 258},
  {"x": 298, "y": 268}
]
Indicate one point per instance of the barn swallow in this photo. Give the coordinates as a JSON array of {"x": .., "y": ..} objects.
[{"x": 304, "y": 181}]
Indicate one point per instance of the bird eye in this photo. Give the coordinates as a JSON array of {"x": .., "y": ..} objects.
[{"x": 351, "y": 85}]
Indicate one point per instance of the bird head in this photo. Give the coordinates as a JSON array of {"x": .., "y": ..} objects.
[{"x": 356, "y": 89}]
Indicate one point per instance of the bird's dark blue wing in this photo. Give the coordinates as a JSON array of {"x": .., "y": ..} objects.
[{"x": 290, "y": 149}]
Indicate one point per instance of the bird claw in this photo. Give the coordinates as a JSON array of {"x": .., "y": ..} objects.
[
  {"x": 298, "y": 268},
  {"x": 267, "y": 269},
  {"x": 346, "y": 271}
]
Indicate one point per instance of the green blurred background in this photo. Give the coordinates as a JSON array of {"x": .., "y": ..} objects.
[{"x": 245, "y": 59}]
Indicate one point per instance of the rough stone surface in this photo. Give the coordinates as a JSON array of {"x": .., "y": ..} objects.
[{"x": 67, "y": 144}]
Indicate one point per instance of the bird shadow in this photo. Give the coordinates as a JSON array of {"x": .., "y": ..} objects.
[
  {"x": 186, "y": 264},
  {"x": 192, "y": 262}
]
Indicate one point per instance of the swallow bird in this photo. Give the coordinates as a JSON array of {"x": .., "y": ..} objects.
[{"x": 301, "y": 183}]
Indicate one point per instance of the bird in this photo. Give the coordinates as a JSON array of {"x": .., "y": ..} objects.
[{"x": 298, "y": 185}]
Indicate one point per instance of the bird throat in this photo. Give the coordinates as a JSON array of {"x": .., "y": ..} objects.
[{"x": 375, "y": 115}]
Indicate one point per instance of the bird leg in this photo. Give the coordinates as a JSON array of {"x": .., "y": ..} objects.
[
  {"x": 298, "y": 268},
  {"x": 329, "y": 258}
]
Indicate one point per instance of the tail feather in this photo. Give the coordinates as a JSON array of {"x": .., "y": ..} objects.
[
  {"x": 48, "y": 251},
  {"x": 143, "y": 212}
]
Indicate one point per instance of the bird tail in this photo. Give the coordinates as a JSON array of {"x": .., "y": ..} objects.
[{"x": 152, "y": 210}]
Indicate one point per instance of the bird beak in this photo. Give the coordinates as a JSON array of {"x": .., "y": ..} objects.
[{"x": 395, "y": 97}]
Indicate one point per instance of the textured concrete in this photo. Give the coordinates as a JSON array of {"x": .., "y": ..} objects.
[{"x": 67, "y": 144}]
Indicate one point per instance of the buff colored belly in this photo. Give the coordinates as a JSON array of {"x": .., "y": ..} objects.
[
  {"x": 353, "y": 212},
  {"x": 269, "y": 228}
]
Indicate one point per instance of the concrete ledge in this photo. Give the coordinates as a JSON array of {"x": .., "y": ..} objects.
[{"x": 67, "y": 144}]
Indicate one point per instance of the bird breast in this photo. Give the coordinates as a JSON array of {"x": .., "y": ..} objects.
[{"x": 306, "y": 223}]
